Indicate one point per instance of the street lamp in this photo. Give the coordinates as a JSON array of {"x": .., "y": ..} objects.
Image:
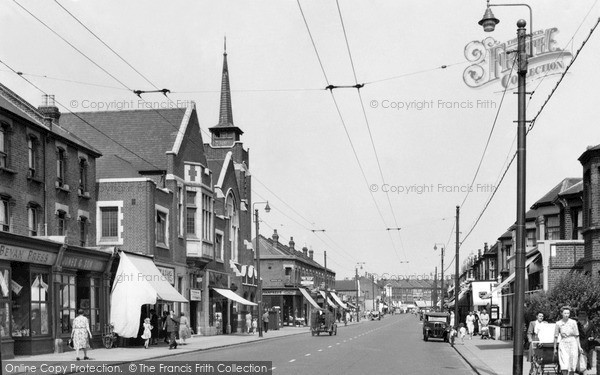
[
  {"x": 489, "y": 22},
  {"x": 442, "y": 246},
  {"x": 256, "y": 221}
]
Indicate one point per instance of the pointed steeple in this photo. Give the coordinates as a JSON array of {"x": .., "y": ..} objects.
[{"x": 225, "y": 132}]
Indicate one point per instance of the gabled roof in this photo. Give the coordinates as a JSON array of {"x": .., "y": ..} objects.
[
  {"x": 143, "y": 136},
  {"x": 274, "y": 250},
  {"x": 550, "y": 196},
  {"x": 573, "y": 190},
  {"x": 18, "y": 106}
]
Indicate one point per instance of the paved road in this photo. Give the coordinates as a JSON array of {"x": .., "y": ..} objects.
[{"x": 393, "y": 345}]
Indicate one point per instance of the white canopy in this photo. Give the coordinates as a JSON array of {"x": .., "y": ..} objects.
[
  {"x": 309, "y": 298},
  {"x": 234, "y": 297},
  {"x": 338, "y": 300},
  {"x": 137, "y": 282}
]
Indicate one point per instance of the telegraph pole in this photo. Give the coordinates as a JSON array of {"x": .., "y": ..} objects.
[{"x": 456, "y": 271}]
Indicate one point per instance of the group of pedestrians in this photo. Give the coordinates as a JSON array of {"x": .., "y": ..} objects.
[{"x": 574, "y": 340}]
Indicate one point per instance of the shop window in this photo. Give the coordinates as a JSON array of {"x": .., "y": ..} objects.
[
  {"x": 30, "y": 310},
  {"x": 5, "y": 302},
  {"x": 66, "y": 302},
  {"x": 88, "y": 299}
]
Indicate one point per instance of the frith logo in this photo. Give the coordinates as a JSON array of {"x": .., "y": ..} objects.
[{"x": 493, "y": 61}]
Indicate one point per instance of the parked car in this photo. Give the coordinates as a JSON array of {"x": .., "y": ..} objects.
[
  {"x": 436, "y": 325},
  {"x": 375, "y": 315}
]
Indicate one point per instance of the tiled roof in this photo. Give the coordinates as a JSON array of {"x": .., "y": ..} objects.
[
  {"x": 147, "y": 133},
  {"x": 591, "y": 150},
  {"x": 573, "y": 190},
  {"x": 345, "y": 285},
  {"x": 13, "y": 103},
  {"x": 113, "y": 166},
  {"x": 274, "y": 250},
  {"x": 552, "y": 194}
]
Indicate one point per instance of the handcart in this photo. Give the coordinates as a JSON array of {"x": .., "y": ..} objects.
[
  {"x": 542, "y": 356},
  {"x": 109, "y": 338},
  {"x": 323, "y": 321}
]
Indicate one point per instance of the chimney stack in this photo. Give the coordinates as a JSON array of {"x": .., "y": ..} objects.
[
  {"x": 275, "y": 236},
  {"x": 485, "y": 247},
  {"x": 305, "y": 251},
  {"x": 292, "y": 243},
  {"x": 48, "y": 108},
  {"x": 310, "y": 254}
]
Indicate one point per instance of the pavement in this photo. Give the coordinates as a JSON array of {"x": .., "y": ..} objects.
[{"x": 491, "y": 357}]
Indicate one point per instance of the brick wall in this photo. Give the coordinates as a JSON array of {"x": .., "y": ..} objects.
[
  {"x": 591, "y": 210},
  {"x": 568, "y": 257}
]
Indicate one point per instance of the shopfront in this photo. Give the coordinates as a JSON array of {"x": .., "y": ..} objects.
[{"x": 42, "y": 284}]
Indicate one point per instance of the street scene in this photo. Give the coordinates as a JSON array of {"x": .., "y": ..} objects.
[{"x": 291, "y": 187}]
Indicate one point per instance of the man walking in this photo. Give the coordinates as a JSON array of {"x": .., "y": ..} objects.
[
  {"x": 265, "y": 319},
  {"x": 172, "y": 326}
]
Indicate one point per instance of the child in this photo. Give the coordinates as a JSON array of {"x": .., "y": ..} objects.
[
  {"x": 254, "y": 325},
  {"x": 147, "y": 332},
  {"x": 462, "y": 331},
  {"x": 453, "y": 333}
]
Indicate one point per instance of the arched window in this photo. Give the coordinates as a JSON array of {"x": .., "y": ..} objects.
[{"x": 232, "y": 213}]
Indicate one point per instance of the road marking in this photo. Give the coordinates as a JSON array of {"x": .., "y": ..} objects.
[
  {"x": 337, "y": 343},
  {"x": 320, "y": 350},
  {"x": 329, "y": 346},
  {"x": 306, "y": 355},
  {"x": 292, "y": 360},
  {"x": 273, "y": 368}
]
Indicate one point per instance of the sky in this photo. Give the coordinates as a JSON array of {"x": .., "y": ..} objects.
[{"x": 322, "y": 162}]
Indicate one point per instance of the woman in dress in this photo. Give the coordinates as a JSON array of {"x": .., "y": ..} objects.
[
  {"x": 470, "y": 320},
  {"x": 81, "y": 334},
  {"x": 184, "y": 328},
  {"x": 147, "y": 332},
  {"x": 569, "y": 346}
]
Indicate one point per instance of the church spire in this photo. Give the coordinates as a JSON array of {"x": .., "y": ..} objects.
[{"x": 225, "y": 113}]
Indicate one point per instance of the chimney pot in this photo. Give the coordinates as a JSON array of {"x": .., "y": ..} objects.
[
  {"x": 48, "y": 108},
  {"x": 275, "y": 236},
  {"x": 292, "y": 243},
  {"x": 305, "y": 251},
  {"x": 310, "y": 253}
]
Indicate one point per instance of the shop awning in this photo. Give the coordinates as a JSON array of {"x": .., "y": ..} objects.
[
  {"x": 229, "y": 294},
  {"x": 338, "y": 300},
  {"x": 310, "y": 299},
  {"x": 461, "y": 295},
  {"x": 329, "y": 301},
  {"x": 137, "y": 282},
  {"x": 510, "y": 278}
]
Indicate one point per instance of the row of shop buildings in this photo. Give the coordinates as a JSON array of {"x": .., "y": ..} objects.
[
  {"x": 562, "y": 236},
  {"x": 121, "y": 212}
]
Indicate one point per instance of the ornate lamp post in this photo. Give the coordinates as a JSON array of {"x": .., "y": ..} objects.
[
  {"x": 256, "y": 221},
  {"x": 489, "y": 22}
]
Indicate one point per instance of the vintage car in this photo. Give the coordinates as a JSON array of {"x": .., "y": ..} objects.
[
  {"x": 375, "y": 315},
  {"x": 436, "y": 325}
]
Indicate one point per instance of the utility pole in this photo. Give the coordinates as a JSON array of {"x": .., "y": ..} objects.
[
  {"x": 456, "y": 271},
  {"x": 325, "y": 263},
  {"x": 357, "y": 295},
  {"x": 373, "y": 289}
]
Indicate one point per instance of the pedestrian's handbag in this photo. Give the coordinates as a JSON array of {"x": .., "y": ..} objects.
[
  {"x": 581, "y": 363},
  {"x": 71, "y": 345}
]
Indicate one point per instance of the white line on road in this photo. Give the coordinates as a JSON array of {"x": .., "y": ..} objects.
[
  {"x": 329, "y": 346},
  {"x": 292, "y": 360},
  {"x": 320, "y": 350},
  {"x": 306, "y": 355}
]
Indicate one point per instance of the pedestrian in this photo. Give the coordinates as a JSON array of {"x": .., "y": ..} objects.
[
  {"x": 248, "y": 323},
  {"x": 81, "y": 334},
  {"x": 587, "y": 340},
  {"x": 532, "y": 335},
  {"x": 184, "y": 328},
  {"x": 165, "y": 334},
  {"x": 452, "y": 320},
  {"x": 147, "y": 335},
  {"x": 171, "y": 326},
  {"x": 476, "y": 323},
  {"x": 154, "y": 330},
  {"x": 569, "y": 348},
  {"x": 484, "y": 321},
  {"x": 254, "y": 325},
  {"x": 470, "y": 320},
  {"x": 265, "y": 320},
  {"x": 462, "y": 332}
]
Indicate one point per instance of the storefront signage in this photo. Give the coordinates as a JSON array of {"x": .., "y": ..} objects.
[
  {"x": 82, "y": 263},
  {"x": 195, "y": 295},
  {"x": 307, "y": 280},
  {"x": 280, "y": 292},
  {"x": 168, "y": 273},
  {"x": 22, "y": 254},
  {"x": 493, "y": 63}
]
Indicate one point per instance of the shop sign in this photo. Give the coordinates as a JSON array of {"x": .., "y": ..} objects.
[
  {"x": 82, "y": 263},
  {"x": 168, "y": 273},
  {"x": 307, "y": 280},
  {"x": 22, "y": 254},
  {"x": 280, "y": 292},
  {"x": 195, "y": 295}
]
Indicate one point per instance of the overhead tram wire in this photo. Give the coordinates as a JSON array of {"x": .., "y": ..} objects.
[
  {"x": 358, "y": 87},
  {"x": 532, "y": 124}
]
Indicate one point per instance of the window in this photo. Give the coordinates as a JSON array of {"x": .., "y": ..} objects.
[
  {"x": 552, "y": 227},
  {"x": 32, "y": 151},
  {"x": 531, "y": 239},
  {"x": 83, "y": 171},
  {"x": 219, "y": 246},
  {"x": 62, "y": 223},
  {"x": 5, "y": 313},
  {"x": 233, "y": 226},
  {"x": 191, "y": 213},
  {"x": 32, "y": 219},
  {"x": 66, "y": 302},
  {"x": 207, "y": 210},
  {"x": 4, "y": 214},
  {"x": 161, "y": 227},
  {"x": 60, "y": 167},
  {"x": 88, "y": 299},
  {"x": 83, "y": 225},
  {"x": 109, "y": 220},
  {"x": 180, "y": 211},
  {"x": 577, "y": 217},
  {"x": 4, "y": 146}
]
